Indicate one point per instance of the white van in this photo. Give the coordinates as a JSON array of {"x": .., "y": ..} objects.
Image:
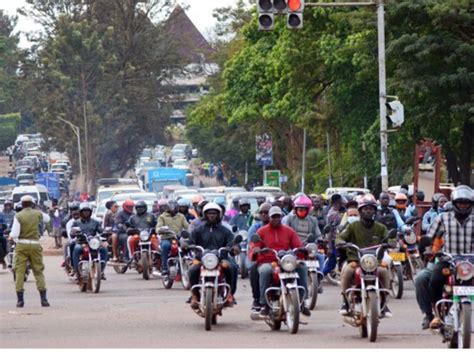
[{"x": 39, "y": 193}]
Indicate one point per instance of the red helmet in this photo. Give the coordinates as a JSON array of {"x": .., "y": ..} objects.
[{"x": 128, "y": 206}]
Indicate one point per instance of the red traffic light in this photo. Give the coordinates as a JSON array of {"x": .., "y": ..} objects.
[{"x": 294, "y": 5}]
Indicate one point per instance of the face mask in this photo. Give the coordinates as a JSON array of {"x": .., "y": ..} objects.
[
  {"x": 302, "y": 213},
  {"x": 352, "y": 219}
]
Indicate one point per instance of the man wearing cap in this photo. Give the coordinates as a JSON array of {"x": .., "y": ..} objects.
[
  {"x": 25, "y": 232},
  {"x": 277, "y": 236}
]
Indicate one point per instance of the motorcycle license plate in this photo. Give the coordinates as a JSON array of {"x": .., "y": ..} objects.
[
  {"x": 397, "y": 256},
  {"x": 286, "y": 275},
  {"x": 463, "y": 290},
  {"x": 312, "y": 263},
  {"x": 210, "y": 273}
]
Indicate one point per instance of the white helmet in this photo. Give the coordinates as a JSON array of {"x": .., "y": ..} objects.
[{"x": 212, "y": 206}]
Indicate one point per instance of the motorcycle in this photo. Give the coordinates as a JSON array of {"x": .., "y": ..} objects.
[
  {"x": 413, "y": 262},
  {"x": 393, "y": 259},
  {"x": 283, "y": 294},
  {"x": 364, "y": 297},
  {"x": 11, "y": 262},
  {"x": 144, "y": 258},
  {"x": 455, "y": 308},
  {"x": 213, "y": 288},
  {"x": 179, "y": 263},
  {"x": 242, "y": 259},
  {"x": 315, "y": 275},
  {"x": 90, "y": 271}
]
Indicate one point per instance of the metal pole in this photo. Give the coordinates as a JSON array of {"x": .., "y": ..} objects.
[
  {"x": 77, "y": 132},
  {"x": 263, "y": 176},
  {"x": 382, "y": 96},
  {"x": 86, "y": 133},
  {"x": 246, "y": 173},
  {"x": 329, "y": 159},
  {"x": 365, "y": 169},
  {"x": 304, "y": 161}
]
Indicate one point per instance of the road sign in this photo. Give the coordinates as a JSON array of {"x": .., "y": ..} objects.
[
  {"x": 264, "y": 149},
  {"x": 272, "y": 178}
]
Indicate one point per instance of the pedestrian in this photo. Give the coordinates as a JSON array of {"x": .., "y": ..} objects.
[{"x": 25, "y": 232}]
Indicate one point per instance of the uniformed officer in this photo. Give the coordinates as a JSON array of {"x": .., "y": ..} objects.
[{"x": 26, "y": 233}]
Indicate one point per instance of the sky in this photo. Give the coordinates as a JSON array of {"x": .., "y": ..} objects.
[{"x": 199, "y": 11}]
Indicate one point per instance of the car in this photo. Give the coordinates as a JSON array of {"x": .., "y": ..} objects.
[
  {"x": 213, "y": 189},
  {"x": 25, "y": 179},
  {"x": 216, "y": 197},
  {"x": 345, "y": 191},
  {"x": 252, "y": 196},
  {"x": 178, "y": 154},
  {"x": 275, "y": 191},
  {"x": 194, "y": 153},
  {"x": 39, "y": 193},
  {"x": 113, "y": 186}
]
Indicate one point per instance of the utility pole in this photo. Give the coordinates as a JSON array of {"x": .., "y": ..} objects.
[
  {"x": 86, "y": 134},
  {"x": 382, "y": 96},
  {"x": 77, "y": 132},
  {"x": 304, "y": 161},
  {"x": 329, "y": 158}
]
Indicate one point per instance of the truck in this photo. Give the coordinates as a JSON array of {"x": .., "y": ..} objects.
[
  {"x": 51, "y": 181},
  {"x": 156, "y": 178}
]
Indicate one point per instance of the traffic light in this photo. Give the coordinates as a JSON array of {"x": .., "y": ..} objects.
[
  {"x": 265, "y": 15},
  {"x": 397, "y": 115},
  {"x": 279, "y": 6},
  {"x": 295, "y": 14}
]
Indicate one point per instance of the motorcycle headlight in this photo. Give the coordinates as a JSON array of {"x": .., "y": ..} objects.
[
  {"x": 144, "y": 236},
  {"x": 464, "y": 270},
  {"x": 369, "y": 263},
  {"x": 288, "y": 263},
  {"x": 210, "y": 261},
  {"x": 312, "y": 248},
  {"x": 94, "y": 243},
  {"x": 410, "y": 238}
]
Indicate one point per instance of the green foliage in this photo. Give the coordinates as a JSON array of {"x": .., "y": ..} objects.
[{"x": 8, "y": 129}]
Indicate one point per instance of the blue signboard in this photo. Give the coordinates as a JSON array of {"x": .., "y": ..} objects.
[{"x": 51, "y": 181}]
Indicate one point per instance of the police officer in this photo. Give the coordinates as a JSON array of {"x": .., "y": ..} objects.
[{"x": 25, "y": 232}]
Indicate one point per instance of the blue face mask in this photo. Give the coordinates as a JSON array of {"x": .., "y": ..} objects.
[{"x": 352, "y": 219}]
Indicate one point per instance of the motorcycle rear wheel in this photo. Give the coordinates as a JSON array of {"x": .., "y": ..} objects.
[
  {"x": 167, "y": 282},
  {"x": 464, "y": 335},
  {"x": 372, "y": 317},
  {"x": 293, "y": 311},
  {"x": 208, "y": 311},
  {"x": 120, "y": 269},
  {"x": 313, "y": 290}
]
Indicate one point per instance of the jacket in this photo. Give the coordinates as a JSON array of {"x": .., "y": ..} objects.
[
  {"x": 119, "y": 223},
  {"x": 176, "y": 223},
  {"x": 145, "y": 221},
  {"x": 303, "y": 226},
  {"x": 280, "y": 238},
  {"x": 211, "y": 236}
]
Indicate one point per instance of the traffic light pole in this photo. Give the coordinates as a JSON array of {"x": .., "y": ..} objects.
[{"x": 382, "y": 79}]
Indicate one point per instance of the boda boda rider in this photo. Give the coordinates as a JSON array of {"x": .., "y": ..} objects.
[
  {"x": 277, "y": 236},
  {"x": 212, "y": 235},
  {"x": 26, "y": 233},
  {"x": 363, "y": 233},
  {"x": 456, "y": 228},
  {"x": 88, "y": 227},
  {"x": 120, "y": 237},
  {"x": 142, "y": 220}
]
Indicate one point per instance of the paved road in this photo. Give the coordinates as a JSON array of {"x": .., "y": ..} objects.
[{"x": 131, "y": 312}]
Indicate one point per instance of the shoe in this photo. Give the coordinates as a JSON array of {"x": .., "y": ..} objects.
[
  {"x": 435, "y": 323},
  {"x": 63, "y": 264},
  {"x": 165, "y": 273},
  {"x": 344, "y": 310},
  {"x": 386, "y": 312},
  {"x": 264, "y": 311},
  {"x": 229, "y": 301},
  {"x": 189, "y": 299},
  {"x": 102, "y": 277},
  {"x": 425, "y": 324},
  {"x": 305, "y": 311},
  {"x": 256, "y": 306},
  {"x": 4, "y": 265},
  {"x": 194, "y": 302},
  {"x": 20, "y": 300},
  {"x": 44, "y": 300},
  {"x": 320, "y": 289}
]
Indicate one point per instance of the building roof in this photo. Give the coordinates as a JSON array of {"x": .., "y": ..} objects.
[{"x": 192, "y": 44}]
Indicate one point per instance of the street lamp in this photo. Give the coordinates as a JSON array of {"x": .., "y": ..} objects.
[{"x": 78, "y": 135}]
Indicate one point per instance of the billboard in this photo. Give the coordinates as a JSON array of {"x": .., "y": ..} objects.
[
  {"x": 264, "y": 150},
  {"x": 272, "y": 178}
]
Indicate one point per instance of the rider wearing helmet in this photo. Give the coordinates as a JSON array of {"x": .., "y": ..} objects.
[
  {"x": 8, "y": 213},
  {"x": 183, "y": 208},
  {"x": 195, "y": 201},
  {"x": 364, "y": 233},
  {"x": 140, "y": 221},
  {"x": 88, "y": 227},
  {"x": 437, "y": 203},
  {"x": 401, "y": 201},
  {"x": 388, "y": 216},
  {"x": 120, "y": 237},
  {"x": 177, "y": 223},
  {"x": 162, "y": 206},
  {"x": 212, "y": 235},
  {"x": 199, "y": 219},
  {"x": 233, "y": 211},
  {"x": 456, "y": 228},
  {"x": 244, "y": 219}
]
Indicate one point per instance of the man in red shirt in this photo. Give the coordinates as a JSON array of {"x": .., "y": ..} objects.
[{"x": 277, "y": 236}]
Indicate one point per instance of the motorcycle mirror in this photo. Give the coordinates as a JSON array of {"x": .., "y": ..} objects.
[
  {"x": 185, "y": 234},
  {"x": 238, "y": 239},
  {"x": 392, "y": 233},
  {"x": 326, "y": 229},
  {"x": 234, "y": 229},
  {"x": 311, "y": 238},
  {"x": 255, "y": 238}
]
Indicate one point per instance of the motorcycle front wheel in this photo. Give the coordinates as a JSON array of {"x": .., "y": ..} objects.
[
  {"x": 145, "y": 266},
  {"x": 120, "y": 269},
  {"x": 184, "y": 276},
  {"x": 464, "y": 335},
  {"x": 208, "y": 308},
  {"x": 95, "y": 276},
  {"x": 313, "y": 290},
  {"x": 372, "y": 317},
  {"x": 396, "y": 274},
  {"x": 293, "y": 311}
]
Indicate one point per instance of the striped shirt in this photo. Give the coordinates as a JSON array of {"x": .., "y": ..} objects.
[{"x": 458, "y": 238}]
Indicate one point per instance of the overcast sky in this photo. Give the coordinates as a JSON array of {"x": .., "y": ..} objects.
[{"x": 200, "y": 12}]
